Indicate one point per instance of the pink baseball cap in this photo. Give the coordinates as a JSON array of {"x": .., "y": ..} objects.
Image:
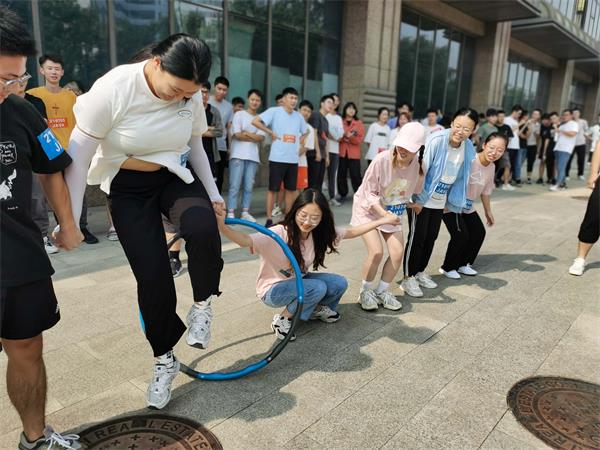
[{"x": 411, "y": 137}]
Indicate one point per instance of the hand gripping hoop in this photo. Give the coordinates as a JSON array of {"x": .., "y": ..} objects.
[{"x": 220, "y": 376}]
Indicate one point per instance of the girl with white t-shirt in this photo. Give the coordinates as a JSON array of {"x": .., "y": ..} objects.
[
  {"x": 387, "y": 186},
  {"x": 140, "y": 126},
  {"x": 403, "y": 119},
  {"x": 309, "y": 230},
  {"x": 447, "y": 163},
  {"x": 466, "y": 228},
  {"x": 378, "y": 135}
]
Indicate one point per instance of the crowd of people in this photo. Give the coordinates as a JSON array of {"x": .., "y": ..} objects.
[{"x": 160, "y": 146}]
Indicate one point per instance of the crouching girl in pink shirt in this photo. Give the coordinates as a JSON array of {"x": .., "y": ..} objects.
[
  {"x": 310, "y": 232},
  {"x": 389, "y": 183}
]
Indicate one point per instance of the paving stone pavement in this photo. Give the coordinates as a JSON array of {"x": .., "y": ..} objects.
[{"x": 433, "y": 376}]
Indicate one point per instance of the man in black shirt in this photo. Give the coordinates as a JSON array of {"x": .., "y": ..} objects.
[
  {"x": 503, "y": 164},
  {"x": 545, "y": 139},
  {"x": 318, "y": 159},
  {"x": 28, "y": 305}
]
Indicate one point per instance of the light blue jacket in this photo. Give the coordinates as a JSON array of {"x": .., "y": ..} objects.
[{"x": 434, "y": 161}]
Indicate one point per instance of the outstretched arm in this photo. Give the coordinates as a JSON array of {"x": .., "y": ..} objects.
[
  {"x": 389, "y": 218},
  {"x": 241, "y": 239}
]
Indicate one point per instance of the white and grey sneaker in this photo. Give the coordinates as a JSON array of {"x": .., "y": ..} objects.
[
  {"x": 276, "y": 211},
  {"x": 389, "y": 301},
  {"x": 334, "y": 202},
  {"x": 411, "y": 287},
  {"x": 281, "y": 326},
  {"x": 578, "y": 267},
  {"x": 325, "y": 314},
  {"x": 425, "y": 281},
  {"x": 159, "y": 390},
  {"x": 368, "y": 300},
  {"x": 198, "y": 321},
  {"x": 51, "y": 440},
  {"x": 49, "y": 246},
  {"x": 452, "y": 274},
  {"x": 231, "y": 215},
  {"x": 467, "y": 270},
  {"x": 247, "y": 216}
]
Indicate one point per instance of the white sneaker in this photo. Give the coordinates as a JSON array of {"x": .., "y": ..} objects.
[
  {"x": 577, "y": 267},
  {"x": 51, "y": 439},
  {"x": 368, "y": 300},
  {"x": 198, "y": 321},
  {"x": 231, "y": 215},
  {"x": 411, "y": 287},
  {"x": 554, "y": 187},
  {"x": 581, "y": 178},
  {"x": 508, "y": 187},
  {"x": 452, "y": 274},
  {"x": 159, "y": 390},
  {"x": 467, "y": 270},
  {"x": 281, "y": 326},
  {"x": 325, "y": 314},
  {"x": 389, "y": 301},
  {"x": 567, "y": 178},
  {"x": 425, "y": 281},
  {"x": 247, "y": 216},
  {"x": 334, "y": 202},
  {"x": 276, "y": 211},
  {"x": 49, "y": 246},
  {"x": 112, "y": 235}
]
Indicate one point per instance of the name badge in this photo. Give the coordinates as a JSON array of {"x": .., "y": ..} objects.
[
  {"x": 396, "y": 209},
  {"x": 289, "y": 138},
  {"x": 442, "y": 188},
  {"x": 469, "y": 204},
  {"x": 50, "y": 144},
  {"x": 184, "y": 158}
]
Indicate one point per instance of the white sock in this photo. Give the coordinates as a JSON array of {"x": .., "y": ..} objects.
[
  {"x": 364, "y": 285},
  {"x": 383, "y": 286},
  {"x": 168, "y": 359},
  {"x": 204, "y": 304}
]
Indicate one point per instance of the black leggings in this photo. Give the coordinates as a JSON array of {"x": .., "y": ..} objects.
[
  {"x": 589, "y": 232},
  {"x": 332, "y": 169},
  {"x": 532, "y": 152},
  {"x": 466, "y": 237},
  {"x": 579, "y": 150},
  {"x": 423, "y": 231},
  {"x": 316, "y": 170},
  {"x": 136, "y": 201},
  {"x": 352, "y": 166}
]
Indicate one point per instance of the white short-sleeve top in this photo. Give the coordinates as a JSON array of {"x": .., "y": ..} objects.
[{"x": 121, "y": 111}]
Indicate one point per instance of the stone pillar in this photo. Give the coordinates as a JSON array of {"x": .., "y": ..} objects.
[
  {"x": 490, "y": 66},
  {"x": 560, "y": 86},
  {"x": 370, "y": 54}
]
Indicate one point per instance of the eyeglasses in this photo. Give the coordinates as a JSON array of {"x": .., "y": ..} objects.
[
  {"x": 303, "y": 218},
  {"x": 459, "y": 128},
  {"x": 12, "y": 84}
]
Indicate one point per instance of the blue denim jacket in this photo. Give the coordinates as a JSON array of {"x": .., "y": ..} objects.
[{"x": 434, "y": 160}]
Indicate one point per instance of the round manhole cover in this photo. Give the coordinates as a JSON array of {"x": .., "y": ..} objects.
[
  {"x": 151, "y": 432},
  {"x": 562, "y": 412}
]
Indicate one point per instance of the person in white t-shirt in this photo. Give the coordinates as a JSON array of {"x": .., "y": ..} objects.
[
  {"x": 403, "y": 119},
  {"x": 580, "y": 145},
  {"x": 308, "y": 144},
  {"x": 244, "y": 158},
  {"x": 140, "y": 126},
  {"x": 566, "y": 136},
  {"x": 335, "y": 135},
  {"x": 514, "y": 147},
  {"x": 593, "y": 133},
  {"x": 432, "y": 124},
  {"x": 378, "y": 135}
]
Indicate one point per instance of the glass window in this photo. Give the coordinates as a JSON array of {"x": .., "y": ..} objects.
[
  {"x": 323, "y": 68},
  {"x": 23, "y": 9},
  {"x": 450, "y": 104},
  {"x": 287, "y": 60},
  {"x": 407, "y": 53},
  {"x": 139, "y": 23},
  {"x": 247, "y": 55},
  {"x": 325, "y": 17},
  {"x": 424, "y": 66},
  {"x": 256, "y": 9},
  {"x": 203, "y": 23},
  {"x": 526, "y": 84},
  {"x": 440, "y": 68},
  {"x": 84, "y": 48},
  {"x": 466, "y": 73},
  {"x": 289, "y": 13}
]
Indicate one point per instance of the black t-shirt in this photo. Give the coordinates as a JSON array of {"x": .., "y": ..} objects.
[
  {"x": 321, "y": 126},
  {"x": 545, "y": 134},
  {"x": 505, "y": 130},
  {"x": 523, "y": 141},
  {"x": 38, "y": 103},
  {"x": 26, "y": 145}
]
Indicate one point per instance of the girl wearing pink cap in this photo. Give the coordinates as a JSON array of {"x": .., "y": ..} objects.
[
  {"x": 389, "y": 183},
  {"x": 466, "y": 228}
]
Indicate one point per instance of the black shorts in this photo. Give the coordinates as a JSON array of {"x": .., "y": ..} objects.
[
  {"x": 589, "y": 232},
  {"x": 28, "y": 309},
  {"x": 286, "y": 172}
]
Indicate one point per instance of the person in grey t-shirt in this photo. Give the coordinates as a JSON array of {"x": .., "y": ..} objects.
[{"x": 219, "y": 101}]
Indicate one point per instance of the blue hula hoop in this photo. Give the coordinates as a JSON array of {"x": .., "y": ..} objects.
[{"x": 221, "y": 376}]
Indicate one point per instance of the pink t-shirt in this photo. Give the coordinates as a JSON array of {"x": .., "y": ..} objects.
[
  {"x": 391, "y": 187},
  {"x": 274, "y": 265},
  {"x": 481, "y": 182}
]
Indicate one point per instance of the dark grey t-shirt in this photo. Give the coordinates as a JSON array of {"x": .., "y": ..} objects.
[{"x": 319, "y": 122}]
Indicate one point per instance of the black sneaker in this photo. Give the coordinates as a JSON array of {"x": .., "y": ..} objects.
[
  {"x": 88, "y": 237},
  {"x": 269, "y": 223},
  {"x": 176, "y": 267},
  {"x": 539, "y": 181},
  {"x": 529, "y": 181}
]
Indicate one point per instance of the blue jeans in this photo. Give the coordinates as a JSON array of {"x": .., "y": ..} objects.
[
  {"x": 319, "y": 289},
  {"x": 241, "y": 174},
  {"x": 516, "y": 161},
  {"x": 561, "y": 159}
]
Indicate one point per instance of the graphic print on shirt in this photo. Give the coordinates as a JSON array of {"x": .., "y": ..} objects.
[
  {"x": 6, "y": 186},
  {"x": 450, "y": 174},
  {"x": 394, "y": 196},
  {"x": 8, "y": 155}
]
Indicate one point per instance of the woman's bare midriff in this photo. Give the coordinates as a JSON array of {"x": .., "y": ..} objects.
[{"x": 139, "y": 165}]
